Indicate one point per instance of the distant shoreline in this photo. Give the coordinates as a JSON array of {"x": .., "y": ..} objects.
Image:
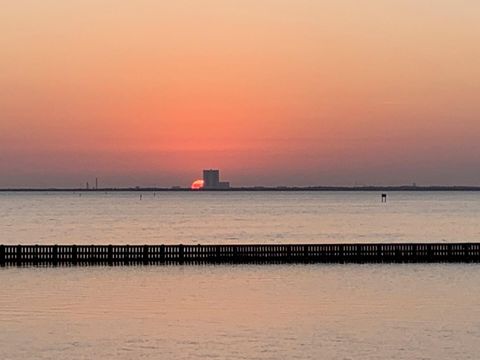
[{"x": 255, "y": 189}]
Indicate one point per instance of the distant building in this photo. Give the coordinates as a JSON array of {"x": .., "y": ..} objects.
[
  {"x": 224, "y": 185},
  {"x": 211, "y": 180}
]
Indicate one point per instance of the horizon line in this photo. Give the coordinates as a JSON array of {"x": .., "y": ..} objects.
[{"x": 259, "y": 188}]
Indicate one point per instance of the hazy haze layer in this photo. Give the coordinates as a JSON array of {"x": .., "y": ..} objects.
[{"x": 272, "y": 92}]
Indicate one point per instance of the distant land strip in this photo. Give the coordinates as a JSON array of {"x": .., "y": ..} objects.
[
  {"x": 256, "y": 188},
  {"x": 68, "y": 255}
]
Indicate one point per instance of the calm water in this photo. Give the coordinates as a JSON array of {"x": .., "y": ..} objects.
[
  {"x": 173, "y": 218},
  {"x": 398, "y": 311},
  {"x": 241, "y": 312}
]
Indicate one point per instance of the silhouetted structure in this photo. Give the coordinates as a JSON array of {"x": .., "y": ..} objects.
[
  {"x": 384, "y": 198},
  {"x": 272, "y": 189},
  {"x": 211, "y": 180},
  {"x": 268, "y": 254}
]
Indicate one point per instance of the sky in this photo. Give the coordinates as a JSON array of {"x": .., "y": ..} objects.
[{"x": 272, "y": 92}]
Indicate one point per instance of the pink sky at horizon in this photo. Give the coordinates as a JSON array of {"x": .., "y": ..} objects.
[{"x": 271, "y": 92}]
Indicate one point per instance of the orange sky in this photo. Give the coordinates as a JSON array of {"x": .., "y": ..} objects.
[{"x": 270, "y": 91}]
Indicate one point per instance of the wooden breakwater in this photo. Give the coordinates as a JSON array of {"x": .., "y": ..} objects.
[{"x": 216, "y": 254}]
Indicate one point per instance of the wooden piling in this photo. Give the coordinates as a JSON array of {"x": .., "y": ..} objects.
[
  {"x": 110, "y": 255},
  {"x": 2, "y": 255},
  {"x": 35, "y": 255},
  {"x": 180, "y": 254},
  {"x": 145, "y": 254},
  {"x": 74, "y": 255},
  {"x": 55, "y": 255},
  {"x": 19, "y": 255},
  {"x": 126, "y": 255},
  {"x": 466, "y": 248}
]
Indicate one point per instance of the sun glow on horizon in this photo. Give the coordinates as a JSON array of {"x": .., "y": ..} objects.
[
  {"x": 197, "y": 185},
  {"x": 323, "y": 92}
]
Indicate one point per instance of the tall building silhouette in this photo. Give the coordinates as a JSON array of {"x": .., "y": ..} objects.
[{"x": 211, "y": 179}]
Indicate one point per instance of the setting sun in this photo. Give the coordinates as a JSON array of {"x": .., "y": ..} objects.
[{"x": 197, "y": 185}]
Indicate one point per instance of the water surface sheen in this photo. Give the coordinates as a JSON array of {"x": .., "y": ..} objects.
[
  {"x": 241, "y": 312},
  {"x": 237, "y": 217},
  {"x": 385, "y": 311}
]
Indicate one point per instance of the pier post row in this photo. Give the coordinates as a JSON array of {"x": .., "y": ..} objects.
[{"x": 11, "y": 255}]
